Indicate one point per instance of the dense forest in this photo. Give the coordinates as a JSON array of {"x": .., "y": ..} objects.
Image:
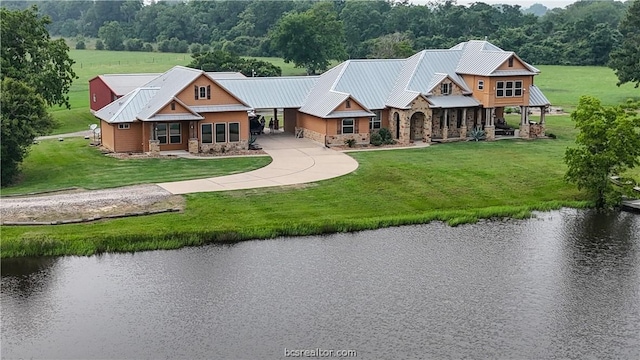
[{"x": 583, "y": 33}]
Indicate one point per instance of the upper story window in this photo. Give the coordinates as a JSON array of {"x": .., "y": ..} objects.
[
  {"x": 95, "y": 98},
  {"x": 509, "y": 88},
  {"x": 202, "y": 92},
  {"x": 123, "y": 126},
  {"x": 348, "y": 104},
  {"x": 510, "y": 62},
  {"x": 480, "y": 84},
  {"x": 445, "y": 88},
  {"x": 173, "y": 105}
]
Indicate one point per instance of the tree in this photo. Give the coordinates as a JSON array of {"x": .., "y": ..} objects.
[
  {"x": 30, "y": 56},
  {"x": 608, "y": 143},
  {"x": 626, "y": 59},
  {"x": 310, "y": 39},
  {"x": 113, "y": 35},
  {"x": 24, "y": 116},
  {"x": 392, "y": 46},
  {"x": 224, "y": 61}
]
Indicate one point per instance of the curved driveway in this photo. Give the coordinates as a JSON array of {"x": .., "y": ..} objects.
[{"x": 295, "y": 161}]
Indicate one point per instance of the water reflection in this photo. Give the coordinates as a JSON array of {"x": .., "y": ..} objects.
[{"x": 563, "y": 285}]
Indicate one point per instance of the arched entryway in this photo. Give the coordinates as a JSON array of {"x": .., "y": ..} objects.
[{"x": 417, "y": 126}]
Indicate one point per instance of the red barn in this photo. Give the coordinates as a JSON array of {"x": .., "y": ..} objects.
[{"x": 104, "y": 89}]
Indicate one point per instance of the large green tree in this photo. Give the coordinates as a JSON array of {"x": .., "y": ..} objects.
[
  {"x": 608, "y": 144},
  {"x": 219, "y": 60},
  {"x": 626, "y": 59},
  {"x": 24, "y": 116},
  {"x": 112, "y": 34},
  {"x": 310, "y": 39},
  {"x": 29, "y": 55}
]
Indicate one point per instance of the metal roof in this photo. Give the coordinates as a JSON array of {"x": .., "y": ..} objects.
[
  {"x": 432, "y": 65},
  {"x": 220, "y": 108},
  {"x": 170, "y": 84},
  {"x": 369, "y": 81},
  {"x": 453, "y": 101},
  {"x": 174, "y": 117},
  {"x": 225, "y": 75},
  {"x": 349, "y": 114},
  {"x": 126, "y": 108},
  {"x": 122, "y": 84},
  {"x": 518, "y": 72},
  {"x": 536, "y": 97},
  {"x": 272, "y": 92},
  {"x": 322, "y": 99}
]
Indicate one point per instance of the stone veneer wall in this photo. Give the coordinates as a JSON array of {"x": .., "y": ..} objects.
[
  {"x": 154, "y": 146},
  {"x": 193, "y": 146},
  {"x": 224, "y": 147},
  {"x": 313, "y": 135},
  {"x": 454, "y": 131},
  {"x": 536, "y": 130},
  {"x": 436, "y": 130},
  {"x": 339, "y": 140}
]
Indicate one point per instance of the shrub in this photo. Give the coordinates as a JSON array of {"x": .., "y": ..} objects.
[
  {"x": 350, "y": 142},
  {"x": 80, "y": 45},
  {"x": 477, "y": 134},
  {"x": 195, "y": 48},
  {"x": 133, "y": 45},
  {"x": 376, "y": 139},
  {"x": 385, "y": 134},
  {"x": 99, "y": 45},
  {"x": 551, "y": 135},
  {"x": 147, "y": 47}
]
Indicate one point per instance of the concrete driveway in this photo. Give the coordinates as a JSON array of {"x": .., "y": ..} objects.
[{"x": 295, "y": 161}]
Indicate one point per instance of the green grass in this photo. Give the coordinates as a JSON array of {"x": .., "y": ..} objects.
[
  {"x": 55, "y": 165},
  {"x": 457, "y": 183},
  {"x": 563, "y": 85}
]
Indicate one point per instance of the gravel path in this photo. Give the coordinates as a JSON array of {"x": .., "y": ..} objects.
[{"x": 93, "y": 202}]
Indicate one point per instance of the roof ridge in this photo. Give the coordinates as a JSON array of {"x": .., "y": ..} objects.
[
  {"x": 335, "y": 81},
  {"x": 124, "y": 105},
  {"x": 415, "y": 69}
]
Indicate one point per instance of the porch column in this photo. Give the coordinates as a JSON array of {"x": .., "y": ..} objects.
[
  {"x": 543, "y": 111},
  {"x": 154, "y": 145},
  {"x": 463, "y": 128},
  {"x": 489, "y": 128},
  {"x": 445, "y": 128},
  {"x": 275, "y": 119},
  {"x": 194, "y": 146},
  {"x": 478, "y": 120},
  {"x": 525, "y": 128}
]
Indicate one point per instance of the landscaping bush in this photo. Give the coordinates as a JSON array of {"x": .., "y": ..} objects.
[
  {"x": 477, "y": 134},
  {"x": 350, "y": 142},
  {"x": 376, "y": 139},
  {"x": 385, "y": 134},
  {"x": 99, "y": 45}
]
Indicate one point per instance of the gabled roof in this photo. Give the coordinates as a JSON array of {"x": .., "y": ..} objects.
[
  {"x": 127, "y": 107},
  {"x": 484, "y": 58},
  {"x": 369, "y": 81},
  {"x": 122, "y": 84},
  {"x": 270, "y": 93},
  {"x": 170, "y": 84},
  {"x": 323, "y": 99}
]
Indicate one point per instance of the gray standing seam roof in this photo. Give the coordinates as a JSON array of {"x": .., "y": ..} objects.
[
  {"x": 453, "y": 101},
  {"x": 271, "y": 93},
  {"x": 122, "y": 84},
  {"x": 126, "y": 108},
  {"x": 536, "y": 97},
  {"x": 369, "y": 81}
]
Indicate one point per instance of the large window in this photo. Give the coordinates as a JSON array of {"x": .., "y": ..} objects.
[
  {"x": 509, "y": 88},
  {"x": 234, "y": 132},
  {"x": 169, "y": 133},
  {"x": 202, "y": 92},
  {"x": 376, "y": 121},
  {"x": 221, "y": 132},
  {"x": 207, "y": 133},
  {"x": 348, "y": 126}
]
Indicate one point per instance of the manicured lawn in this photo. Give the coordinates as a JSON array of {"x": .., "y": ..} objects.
[
  {"x": 458, "y": 182},
  {"x": 564, "y": 85},
  {"x": 55, "y": 165}
]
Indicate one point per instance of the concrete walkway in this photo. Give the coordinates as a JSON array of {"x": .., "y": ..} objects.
[
  {"x": 295, "y": 161},
  {"x": 82, "y": 133}
]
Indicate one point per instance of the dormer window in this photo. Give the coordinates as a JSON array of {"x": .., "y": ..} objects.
[
  {"x": 348, "y": 104},
  {"x": 445, "y": 88},
  {"x": 202, "y": 92},
  {"x": 510, "y": 62}
]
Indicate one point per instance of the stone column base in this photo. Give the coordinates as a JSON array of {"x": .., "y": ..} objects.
[
  {"x": 445, "y": 133},
  {"x": 154, "y": 146},
  {"x": 193, "y": 146},
  {"x": 525, "y": 130},
  {"x": 490, "y": 133},
  {"x": 463, "y": 132}
]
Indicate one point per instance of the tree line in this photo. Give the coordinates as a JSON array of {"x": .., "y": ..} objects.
[{"x": 583, "y": 33}]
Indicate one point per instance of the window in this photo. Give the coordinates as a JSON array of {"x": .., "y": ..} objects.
[
  {"x": 376, "y": 121},
  {"x": 480, "y": 84},
  {"x": 207, "y": 133},
  {"x": 221, "y": 133},
  {"x": 348, "y": 104},
  {"x": 173, "y": 105},
  {"x": 445, "y": 88},
  {"x": 234, "y": 132},
  {"x": 95, "y": 98},
  {"x": 173, "y": 135},
  {"x": 123, "y": 126},
  {"x": 348, "y": 126},
  {"x": 202, "y": 92},
  {"x": 510, "y": 62},
  {"x": 509, "y": 88}
]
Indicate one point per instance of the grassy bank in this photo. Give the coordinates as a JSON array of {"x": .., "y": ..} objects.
[
  {"x": 457, "y": 183},
  {"x": 53, "y": 165}
]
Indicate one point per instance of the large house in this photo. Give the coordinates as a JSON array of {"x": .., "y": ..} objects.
[{"x": 434, "y": 95}]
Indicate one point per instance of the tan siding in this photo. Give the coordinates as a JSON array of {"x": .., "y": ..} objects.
[
  {"x": 179, "y": 109},
  {"x": 313, "y": 123},
  {"x": 219, "y": 96},
  {"x": 363, "y": 125},
  {"x": 483, "y": 96},
  {"x": 129, "y": 140},
  {"x": 354, "y": 106},
  {"x": 510, "y": 101},
  {"x": 517, "y": 64},
  {"x": 107, "y": 134}
]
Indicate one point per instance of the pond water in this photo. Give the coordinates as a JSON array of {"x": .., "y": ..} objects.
[{"x": 565, "y": 284}]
